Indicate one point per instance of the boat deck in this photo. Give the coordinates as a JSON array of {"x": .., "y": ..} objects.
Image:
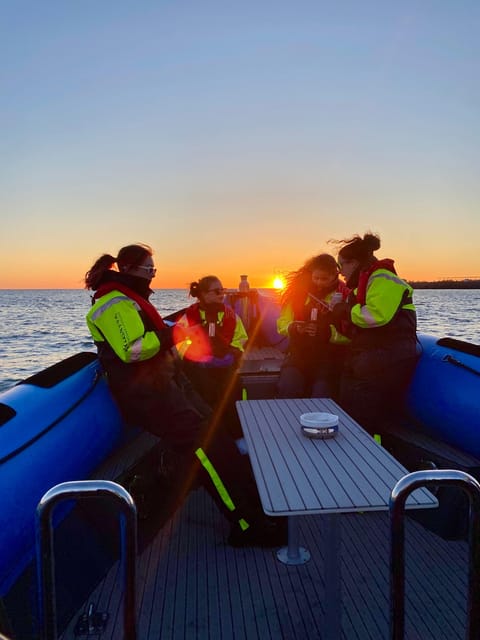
[{"x": 192, "y": 585}]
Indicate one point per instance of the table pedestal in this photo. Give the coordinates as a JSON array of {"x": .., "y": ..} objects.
[
  {"x": 332, "y": 576},
  {"x": 294, "y": 553}
]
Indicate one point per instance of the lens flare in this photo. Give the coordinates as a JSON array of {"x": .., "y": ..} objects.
[{"x": 278, "y": 283}]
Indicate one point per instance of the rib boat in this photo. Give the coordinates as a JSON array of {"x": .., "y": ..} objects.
[{"x": 60, "y": 429}]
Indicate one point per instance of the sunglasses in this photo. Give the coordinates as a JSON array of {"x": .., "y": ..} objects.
[
  {"x": 217, "y": 291},
  {"x": 150, "y": 270}
]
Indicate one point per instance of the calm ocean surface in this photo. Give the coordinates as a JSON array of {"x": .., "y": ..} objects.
[{"x": 39, "y": 327}]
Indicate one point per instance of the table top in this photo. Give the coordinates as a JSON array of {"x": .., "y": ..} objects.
[{"x": 297, "y": 475}]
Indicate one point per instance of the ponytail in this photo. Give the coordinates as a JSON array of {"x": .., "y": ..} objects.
[
  {"x": 129, "y": 256},
  {"x": 358, "y": 248},
  {"x": 96, "y": 272}
]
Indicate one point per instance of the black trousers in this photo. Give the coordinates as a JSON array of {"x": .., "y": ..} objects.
[
  {"x": 373, "y": 388},
  {"x": 312, "y": 373},
  {"x": 206, "y": 453},
  {"x": 219, "y": 387}
]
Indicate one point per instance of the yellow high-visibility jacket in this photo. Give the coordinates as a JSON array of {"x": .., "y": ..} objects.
[
  {"x": 386, "y": 294},
  {"x": 117, "y": 320}
]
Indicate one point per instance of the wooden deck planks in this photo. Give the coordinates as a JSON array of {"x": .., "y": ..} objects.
[
  {"x": 435, "y": 575},
  {"x": 191, "y": 585},
  {"x": 364, "y": 579}
]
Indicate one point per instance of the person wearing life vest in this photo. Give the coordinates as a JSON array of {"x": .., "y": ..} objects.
[
  {"x": 380, "y": 319},
  {"x": 210, "y": 338},
  {"x": 316, "y": 348},
  {"x": 134, "y": 348}
]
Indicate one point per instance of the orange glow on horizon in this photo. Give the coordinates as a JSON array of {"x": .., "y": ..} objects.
[
  {"x": 62, "y": 271},
  {"x": 65, "y": 281}
]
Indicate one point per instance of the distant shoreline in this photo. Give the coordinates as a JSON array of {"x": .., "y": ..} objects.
[
  {"x": 416, "y": 284},
  {"x": 445, "y": 284}
]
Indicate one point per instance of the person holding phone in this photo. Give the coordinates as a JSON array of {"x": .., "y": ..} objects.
[{"x": 316, "y": 348}]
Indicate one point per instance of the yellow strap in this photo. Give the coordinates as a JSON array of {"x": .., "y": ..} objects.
[
  {"x": 244, "y": 394},
  {"x": 219, "y": 486},
  {"x": 378, "y": 438},
  {"x": 243, "y": 524}
]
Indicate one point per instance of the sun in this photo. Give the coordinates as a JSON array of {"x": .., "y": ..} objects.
[{"x": 278, "y": 283}]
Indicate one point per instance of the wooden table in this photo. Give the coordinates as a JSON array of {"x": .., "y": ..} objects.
[{"x": 302, "y": 476}]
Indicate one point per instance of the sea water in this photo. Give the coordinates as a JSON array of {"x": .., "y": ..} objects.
[{"x": 40, "y": 327}]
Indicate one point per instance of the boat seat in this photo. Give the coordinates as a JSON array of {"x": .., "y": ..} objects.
[
  {"x": 420, "y": 450},
  {"x": 417, "y": 450},
  {"x": 259, "y": 371}
]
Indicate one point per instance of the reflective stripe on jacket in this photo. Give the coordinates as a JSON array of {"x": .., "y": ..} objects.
[
  {"x": 386, "y": 295},
  {"x": 117, "y": 319},
  {"x": 235, "y": 336}
]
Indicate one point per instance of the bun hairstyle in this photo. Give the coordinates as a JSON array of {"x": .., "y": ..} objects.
[
  {"x": 358, "y": 248},
  {"x": 201, "y": 286},
  {"x": 129, "y": 256}
]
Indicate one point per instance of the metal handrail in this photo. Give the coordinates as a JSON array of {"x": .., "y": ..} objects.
[
  {"x": 398, "y": 497},
  {"x": 45, "y": 556}
]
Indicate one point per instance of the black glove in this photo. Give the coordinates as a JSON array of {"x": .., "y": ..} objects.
[
  {"x": 323, "y": 328},
  {"x": 340, "y": 311},
  {"x": 166, "y": 338}
]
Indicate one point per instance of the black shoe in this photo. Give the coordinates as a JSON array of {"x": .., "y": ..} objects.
[{"x": 268, "y": 533}]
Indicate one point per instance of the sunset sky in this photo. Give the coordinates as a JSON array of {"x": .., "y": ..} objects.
[{"x": 237, "y": 137}]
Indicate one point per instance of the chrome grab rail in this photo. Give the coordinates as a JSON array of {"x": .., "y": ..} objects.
[
  {"x": 45, "y": 556},
  {"x": 398, "y": 497}
]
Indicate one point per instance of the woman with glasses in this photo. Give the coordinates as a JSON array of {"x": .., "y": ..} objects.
[
  {"x": 134, "y": 347},
  {"x": 380, "y": 317},
  {"x": 210, "y": 338},
  {"x": 316, "y": 349}
]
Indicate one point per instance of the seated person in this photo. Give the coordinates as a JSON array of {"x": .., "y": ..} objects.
[
  {"x": 134, "y": 348},
  {"x": 210, "y": 338},
  {"x": 316, "y": 348}
]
